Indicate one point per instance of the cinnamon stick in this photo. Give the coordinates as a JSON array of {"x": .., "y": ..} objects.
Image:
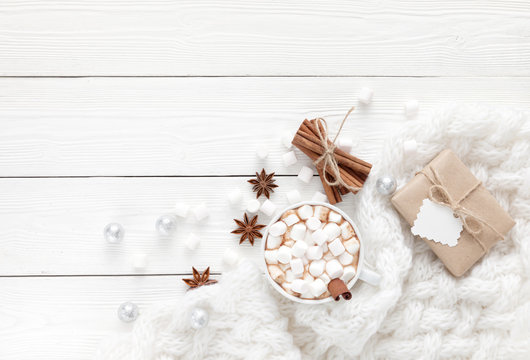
[{"x": 338, "y": 288}]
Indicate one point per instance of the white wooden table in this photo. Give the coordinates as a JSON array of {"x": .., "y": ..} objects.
[{"x": 112, "y": 111}]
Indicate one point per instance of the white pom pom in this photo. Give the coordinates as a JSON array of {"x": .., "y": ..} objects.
[
  {"x": 230, "y": 257},
  {"x": 234, "y": 197}
]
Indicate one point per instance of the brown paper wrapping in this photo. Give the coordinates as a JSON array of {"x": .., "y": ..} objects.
[{"x": 458, "y": 180}]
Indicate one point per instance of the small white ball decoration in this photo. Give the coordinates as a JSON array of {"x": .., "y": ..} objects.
[
  {"x": 113, "y": 233},
  {"x": 166, "y": 225},
  {"x": 128, "y": 312},
  {"x": 199, "y": 318},
  {"x": 385, "y": 185}
]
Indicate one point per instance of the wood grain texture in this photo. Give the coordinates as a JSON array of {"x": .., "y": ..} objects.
[
  {"x": 204, "y": 126},
  {"x": 67, "y": 318},
  {"x": 183, "y": 38},
  {"x": 55, "y": 226}
]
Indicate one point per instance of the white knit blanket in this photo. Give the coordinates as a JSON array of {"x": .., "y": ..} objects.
[{"x": 419, "y": 311}]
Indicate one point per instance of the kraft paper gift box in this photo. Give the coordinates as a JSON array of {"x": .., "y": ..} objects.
[{"x": 447, "y": 170}]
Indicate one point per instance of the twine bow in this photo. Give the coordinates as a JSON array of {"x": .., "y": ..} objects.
[
  {"x": 472, "y": 223},
  {"x": 328, "y": 155}
]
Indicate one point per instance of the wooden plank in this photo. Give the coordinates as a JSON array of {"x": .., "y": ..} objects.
[
  {"x": 67, "y": 318},
  {"x": 204, "y": 126},
  {"x": 54, "y": 226},
  {"x": 143, "y": 37}
]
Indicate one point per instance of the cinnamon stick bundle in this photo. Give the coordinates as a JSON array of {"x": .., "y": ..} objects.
[{"x": 352, "y": 170}]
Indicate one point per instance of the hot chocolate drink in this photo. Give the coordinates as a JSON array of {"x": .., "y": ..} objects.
[{"x": 308, "y": 247}]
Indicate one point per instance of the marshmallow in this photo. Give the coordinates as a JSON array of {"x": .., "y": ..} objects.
[
  {"x": 273, "y": 242},
  {"x": 289, "y": 276},
  {"x": 289, "y": 159},
  {"x": 192, "y": 242},
  {"x": 293, "y": 196},
  {"x": 297, "y": 266},
  {"x": 284, "y": 267},
  {"x": 234, "y": 197},
  {"x": 349, "y": 273},
  {"x": 299, "y": 248},
  {"x": 336, "y": 247},
  {"x": 139, "y": 261},
  {"x": 300, "y": 286},
  {"x": 201, "y": 212},
  {"x": 287, "y": 138},
  {"x": 334, "y": 217},
  {"x": 345, "y": 258},
  {"x": 313, "y": 223},
  {"x": 319, "y": 237},
  {"x": 324, "y": 247},
  {"x": 305, "y": 212},
  {"x": 332, "y": 230},
  {"x": 314, "y": 253},
  {"x": 334, "y": 269},
  {"x": 365, "y": 95},
  {"x": 305, "y": 174},
  {"x": 289, "y": 242},
  {"x": 284, "y": 254},
  {"x": 322, "y": 212},
  {"x": 230, "y": 257},
  {"x": 411, "y": 107},
  {"x": 291, "y": 219},
  {"x": 309, "y": 238},
  {"x": 352, "y": 246},
  {"x": 262, "y": 151},
  {"x": 316, "y": 268},
  {"x": 287, "y": 287},
  {"x": 318, "y": 196},
  {"x": 278, "y": 228},
  {"x": 305, "y": 260},
  {"x": 271, "y": 256},
  {"x": 298, "y": 231},
  {"x": 182, "y": 209},
  {"x": 328, "y": 256},
  {"x": 307, "y": 277},
  {"x": 410, "y": 148},
  {"x": 346, "y": 230},
  {"x": 276, "y": 273},
  {"x": 325, "y": 278},
  {"x": 268, "y": 207},
  {"x": 317, "y": 287},
  {"x": 253, "y": 206},
  {"x": 345, "y": 144}
]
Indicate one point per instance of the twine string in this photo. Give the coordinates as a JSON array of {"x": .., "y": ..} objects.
[
  {"x": 472, "y": 223},
  {"x": 330, "y": 164}
]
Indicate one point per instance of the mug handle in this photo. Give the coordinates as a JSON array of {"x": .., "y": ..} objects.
[{"x": 370, "y": 277}]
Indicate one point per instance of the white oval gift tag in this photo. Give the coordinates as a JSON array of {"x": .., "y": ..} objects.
[{"x": 437, "y": 223}]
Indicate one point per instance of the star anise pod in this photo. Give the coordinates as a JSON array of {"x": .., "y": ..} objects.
[
  {"x": 263, "y": 184},
  {"x": 248, "y": 229},
  {"x": 199, "y": 279}
]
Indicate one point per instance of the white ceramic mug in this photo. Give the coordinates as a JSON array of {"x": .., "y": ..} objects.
[{"x": 362, "y": 273}]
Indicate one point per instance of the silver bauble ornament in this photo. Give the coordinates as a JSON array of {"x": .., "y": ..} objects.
[
  {"x": 113, "y": 233},
  {"x": 166, "y": 225},
  {"x": 199, "y": 318},
  {"x": 385, "y": 185},
  {"x": 128, "y": 312}
]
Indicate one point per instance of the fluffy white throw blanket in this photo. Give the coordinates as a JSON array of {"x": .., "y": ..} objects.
[{"x": 419, "y": 311}]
